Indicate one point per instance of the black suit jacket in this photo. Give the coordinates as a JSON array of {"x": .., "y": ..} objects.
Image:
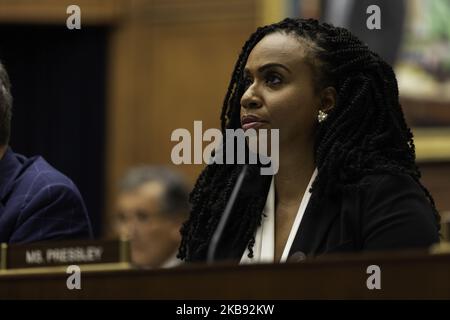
[
  {"x": 38, "y": 203},
  {"x": 388, "y": 212}
]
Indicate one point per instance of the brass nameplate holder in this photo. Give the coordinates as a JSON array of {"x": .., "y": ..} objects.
[{"x": 63, "y": 253}]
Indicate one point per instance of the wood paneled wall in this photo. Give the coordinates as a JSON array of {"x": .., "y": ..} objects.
[
  {"x": 171, "y": 62},
  {"x": 93, "y": 12}
]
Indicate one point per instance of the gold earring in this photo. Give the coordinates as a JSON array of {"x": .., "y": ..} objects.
[{"x": 322, "y": 116}]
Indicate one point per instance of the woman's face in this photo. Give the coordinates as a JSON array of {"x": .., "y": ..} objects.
[{"x": 280, "y": 89}]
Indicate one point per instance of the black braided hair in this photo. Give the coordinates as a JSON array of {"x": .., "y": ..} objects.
[{"x": 365, "y": 133}]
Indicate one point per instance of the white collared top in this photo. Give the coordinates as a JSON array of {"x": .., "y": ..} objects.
[{"x": 264, "y": 247}]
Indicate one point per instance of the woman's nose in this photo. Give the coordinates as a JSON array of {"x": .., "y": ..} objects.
[{"x": 250, "y": 99}]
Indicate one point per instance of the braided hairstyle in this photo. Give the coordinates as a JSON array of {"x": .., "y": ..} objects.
[{"x": 365, "y": 133}]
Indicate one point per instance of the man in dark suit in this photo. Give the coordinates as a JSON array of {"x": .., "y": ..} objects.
[
  {"x": 151, "y": 206},
  {"x": 37, "y": 202}
]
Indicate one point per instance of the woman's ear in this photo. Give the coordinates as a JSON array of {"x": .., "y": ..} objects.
[{"x": 328, "y": 99}]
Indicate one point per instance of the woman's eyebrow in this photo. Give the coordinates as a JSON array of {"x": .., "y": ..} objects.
[
  {"x": 273, "y": 64},
  {"x": 268, "y": 66}
]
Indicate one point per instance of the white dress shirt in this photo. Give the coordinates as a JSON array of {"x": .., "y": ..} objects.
[{"x": 264, "y": 247}]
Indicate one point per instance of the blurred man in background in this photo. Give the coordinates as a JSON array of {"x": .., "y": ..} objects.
[
  {"x": 37, "y": 202},
  {"x": 151, "y": 206}
]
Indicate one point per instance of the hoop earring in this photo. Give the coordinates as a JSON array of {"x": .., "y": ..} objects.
[{"x": 322, "y": 116}]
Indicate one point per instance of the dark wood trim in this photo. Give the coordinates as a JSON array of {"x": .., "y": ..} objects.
[
  {"x": 182, "y": 11},
  {"x": 93, "y": 12},
  {"x": 404, "y": 275}
]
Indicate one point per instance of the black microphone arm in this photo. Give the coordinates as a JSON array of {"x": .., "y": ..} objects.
[{"x": 226, "y": 214}]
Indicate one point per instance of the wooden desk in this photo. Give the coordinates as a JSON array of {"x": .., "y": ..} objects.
[{"x": 404, "y": 275}]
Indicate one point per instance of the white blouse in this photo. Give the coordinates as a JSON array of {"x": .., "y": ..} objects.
[{"x": 264, "y": 247}]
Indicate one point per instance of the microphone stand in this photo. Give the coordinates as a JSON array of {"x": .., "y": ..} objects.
[{"x": 225, "y": 216}]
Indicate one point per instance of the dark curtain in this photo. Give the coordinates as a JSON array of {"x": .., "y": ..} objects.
[
  {"x": 386, "y": 41},
  {"x": 58, "y": 84}
]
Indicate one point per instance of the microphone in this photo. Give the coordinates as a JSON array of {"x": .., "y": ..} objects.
[{"x": 226, "y": 214}]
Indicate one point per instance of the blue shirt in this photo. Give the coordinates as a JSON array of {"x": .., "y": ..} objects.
[{"x": 38, "y": 203}]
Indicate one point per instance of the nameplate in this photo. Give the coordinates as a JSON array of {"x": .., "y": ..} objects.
[{"x": 46, "y": 254}]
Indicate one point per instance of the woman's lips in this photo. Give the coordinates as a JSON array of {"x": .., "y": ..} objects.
[
  {"x": 253, "y": 125},
  {"x": 251, "y": 121}
]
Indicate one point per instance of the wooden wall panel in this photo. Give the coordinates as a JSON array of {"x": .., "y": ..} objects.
[
  {"x": 93, "y": 12},
  {"x": 170, "y": 64},
  {"x": 436, "y": 177}
]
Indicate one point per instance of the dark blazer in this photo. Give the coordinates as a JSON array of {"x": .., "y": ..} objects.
[
  {"x": 388, "y": 212},
  {"x": 38, "y": 203}
]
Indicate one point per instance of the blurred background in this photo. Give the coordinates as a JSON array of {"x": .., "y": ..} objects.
[{"x": 98, "y": 101}]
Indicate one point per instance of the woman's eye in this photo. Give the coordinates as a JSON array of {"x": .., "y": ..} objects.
[
  {"x": 247, "y": 82},
  {"x": 273, "y": 79}
]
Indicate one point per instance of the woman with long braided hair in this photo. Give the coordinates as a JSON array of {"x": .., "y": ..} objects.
[{"x": 347, "y": 178}]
